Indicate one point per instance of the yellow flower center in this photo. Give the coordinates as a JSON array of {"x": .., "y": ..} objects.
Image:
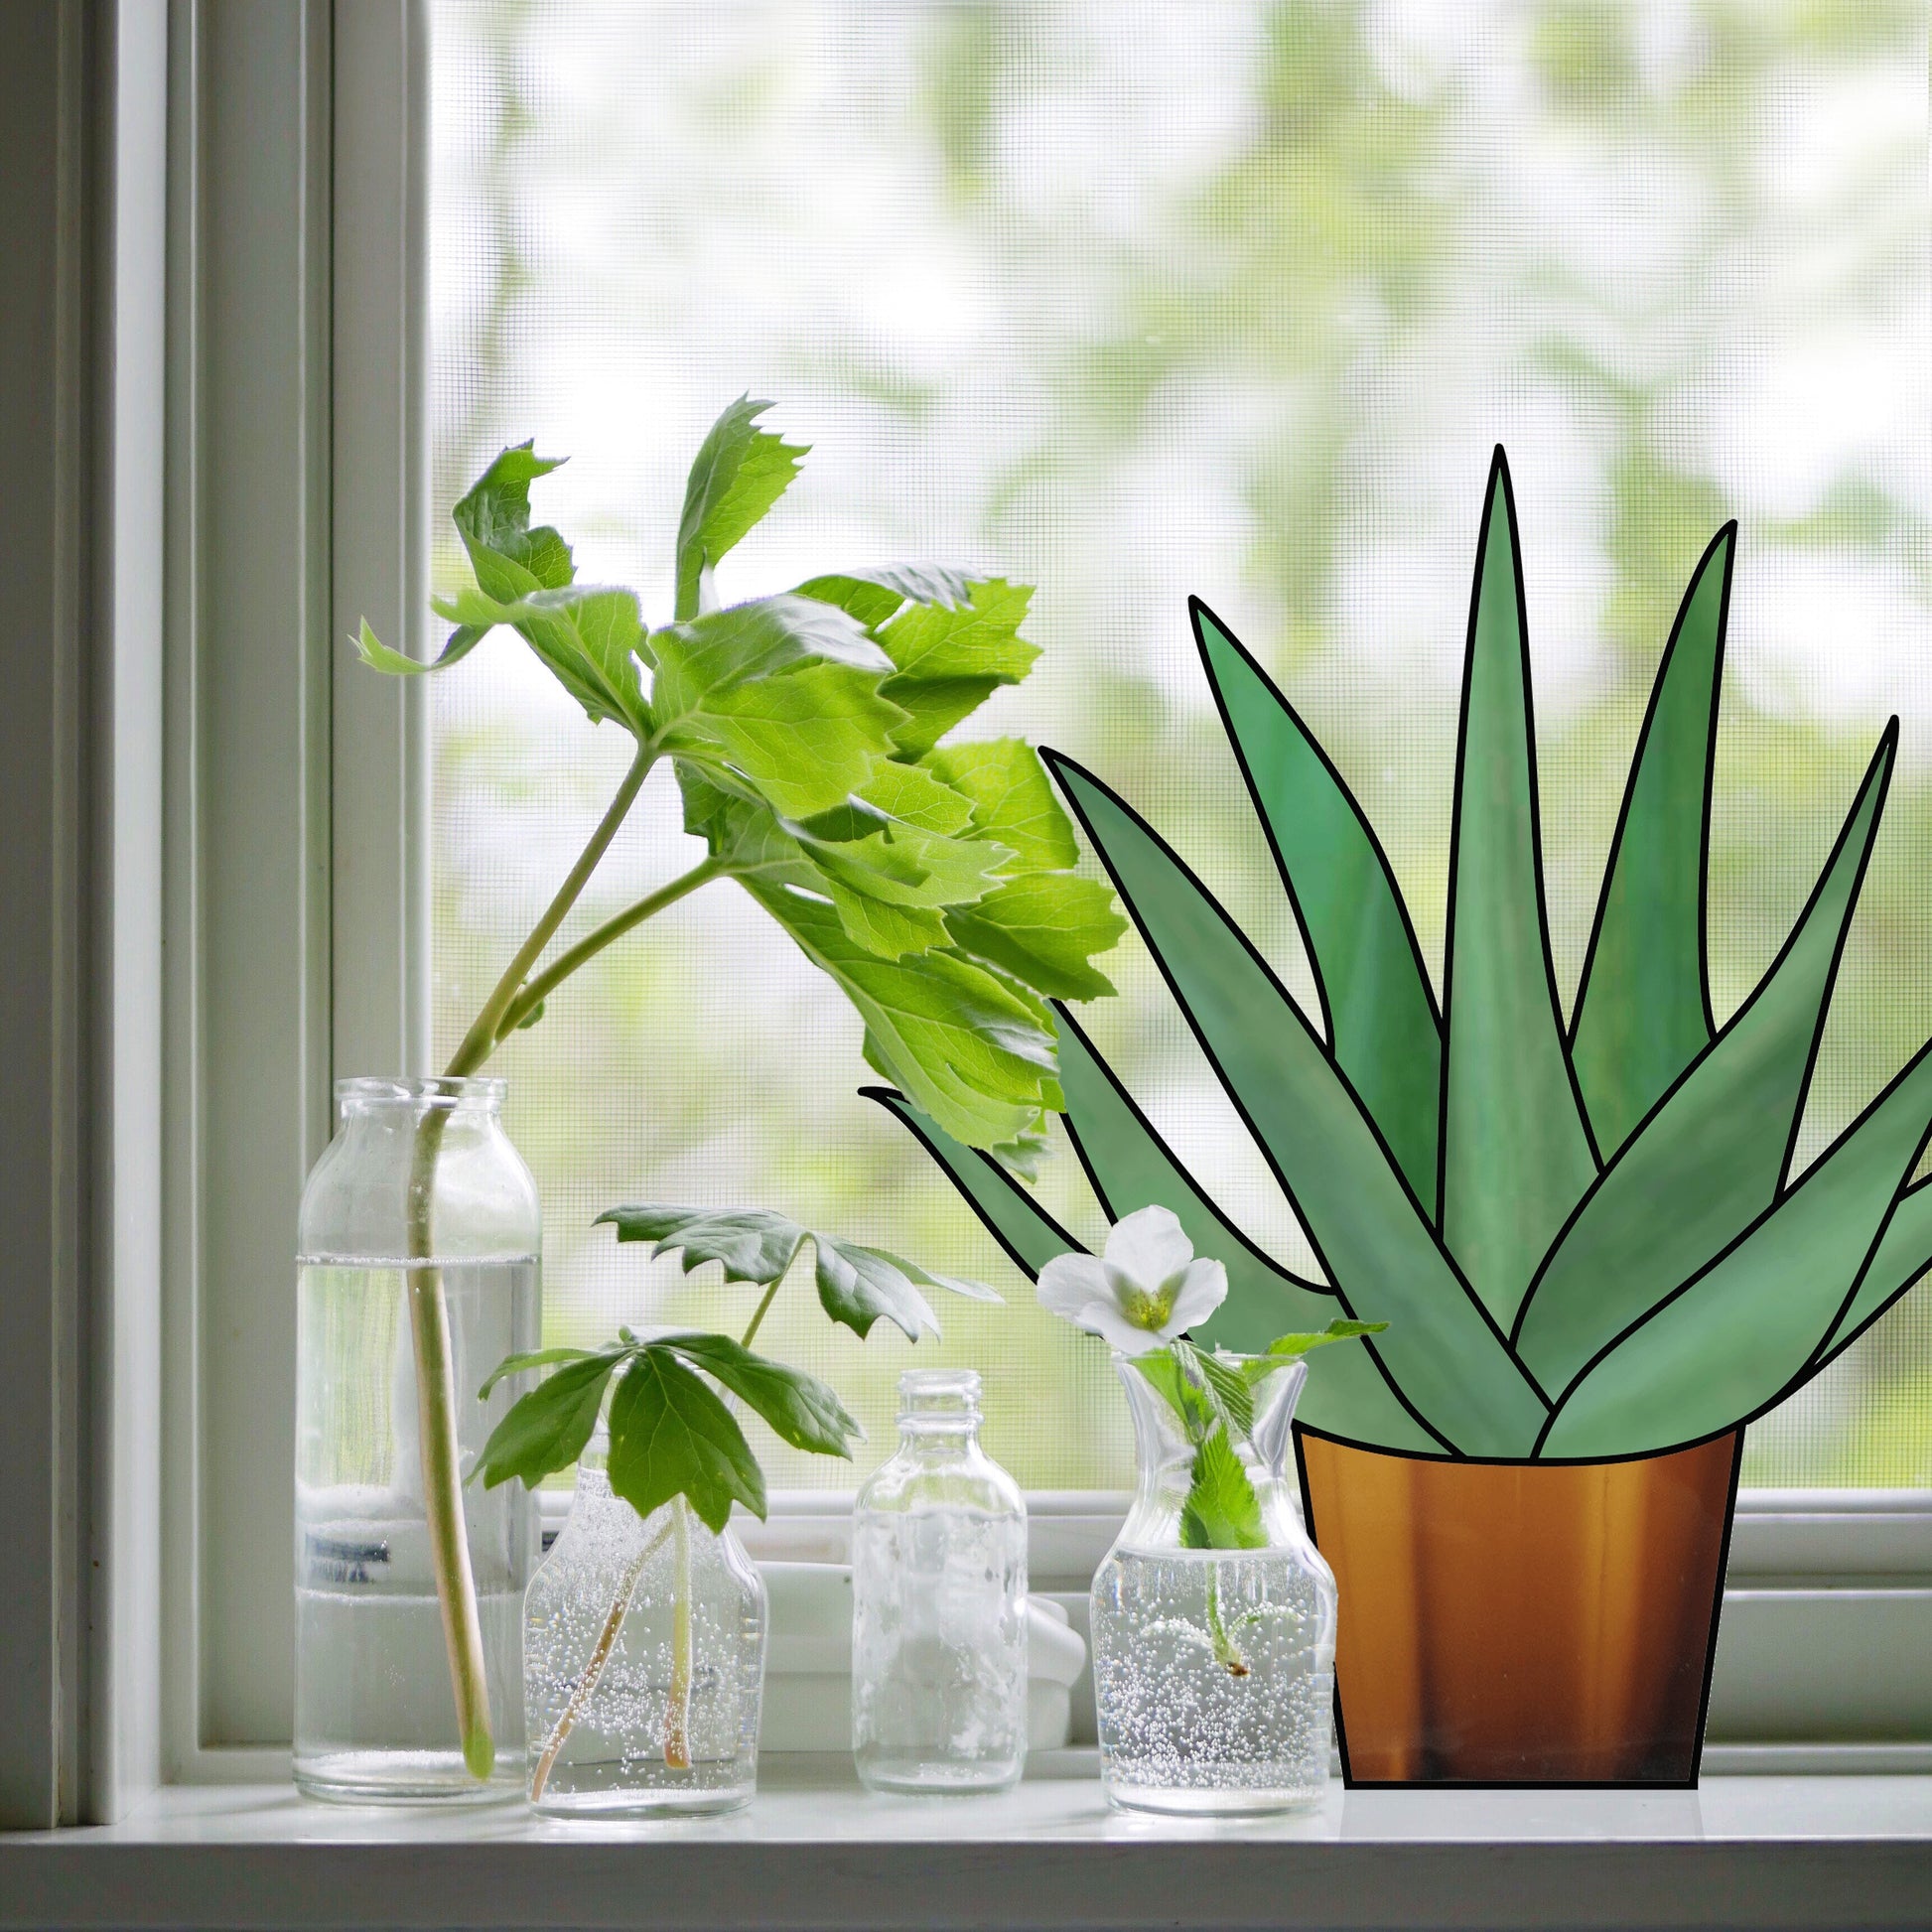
[{"x": 1144, "y": 1310}]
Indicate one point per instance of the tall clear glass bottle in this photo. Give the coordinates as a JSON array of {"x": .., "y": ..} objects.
[
  {"x": 940, "y": 1603},
  {"x": 418, "y": 1245},
  {"x": 1213, "y": 1670},
  {"x": 643, "y": 1660}
]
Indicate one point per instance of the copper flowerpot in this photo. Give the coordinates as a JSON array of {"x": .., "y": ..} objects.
[{"x": 1522, "y": 1622}]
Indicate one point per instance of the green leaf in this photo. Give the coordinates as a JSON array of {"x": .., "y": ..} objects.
[
  {"x": 546, "y": 1429},
  {"x": 1231, "y": 1391},
  {"x": 670, "y": 1436},
  {"x": 919, "y": 799},
  {"x": 1011, "y": 800},
  {"x": 1453, "y": 1365},
  {"x": 891, "y": 931},
  {"x": 1026, "y": 1232},
  {"x": 1643, "y": 1003},
  {"x": 723, "y": 650},
  {"x": 1738, "y": 1336},
  {"x": 522, "y": 1364},
  {"x": 739, "y": 472},
  {"x": 856, "y": 1288},
  {"x": 588, "y": 638},
  {"x": 1904, "y": 1254},
  {"x": 1296, "y": 1346},
  {"x": 801, "y": 1410},
  {"x": 753, "y": 1244},
  {"x": 951, "y": 659},
  {"x": 1377, "y": 1004},
  {"x": 874, "y": 597},
  {"x": 969, "y": 1051},
  {"x": 1516, "y": 1154},
  {"x": 856, "y": 1283},
  {"x": 754, "y": 692},
  {"x": 510, "y": 557},
  {"x": 1184, "y": 1391},
  {"x": 1041, "y": 928},
  {"x": 1131, "y": 1167},
  {"x": 1714, "y": 1153},
  {"x": 1222, "y": 1512},
  {"x": 908, "y": 868},
  {"x": 380, "y": 657}
]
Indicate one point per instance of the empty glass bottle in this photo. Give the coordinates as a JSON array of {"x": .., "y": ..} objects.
[
  {"x": 940, "y": 1603},
  {"x": 643, "y": 1660}
]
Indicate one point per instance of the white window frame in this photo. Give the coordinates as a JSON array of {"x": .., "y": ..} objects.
[{"x": 242, "y": 824}]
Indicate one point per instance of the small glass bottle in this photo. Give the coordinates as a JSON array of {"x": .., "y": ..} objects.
[
  {"x": 643, "y": 1660},
  {"x": 940, "y": 1603}
]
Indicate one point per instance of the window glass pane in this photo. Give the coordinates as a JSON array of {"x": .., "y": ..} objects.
[{"x": 1134, "y": 301}]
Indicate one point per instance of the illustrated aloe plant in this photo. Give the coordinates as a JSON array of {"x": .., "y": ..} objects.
[{"x": 1586, "y": 1239}]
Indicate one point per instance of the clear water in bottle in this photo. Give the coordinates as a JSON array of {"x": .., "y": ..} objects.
[{"x": 374, "y": 1710}]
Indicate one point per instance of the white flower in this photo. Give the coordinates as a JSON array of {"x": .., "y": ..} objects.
[{"x": 1147, "y": 1291}]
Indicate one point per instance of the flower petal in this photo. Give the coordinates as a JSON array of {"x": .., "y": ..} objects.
[
  {"x": 1203, "y": 1289},
  {"x": 1150, "y": 1247},
  {"x": 1104, "y": 1319},
  {"x": 1068, "y": 1282}
]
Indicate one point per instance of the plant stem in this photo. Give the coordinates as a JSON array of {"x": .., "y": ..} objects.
[
  {"x": 587, "y": 948},
  {"x": 757, "y": 1313},
  {"x": 429, "y": 1315},
  {"x": 456, "y": 1587},
  {"x": 586, "y": 1683},
  {"x": 1225, "y": 1654},
  {"x": 484, "y": 1031},
  {"x": 677, "y": 1720}
]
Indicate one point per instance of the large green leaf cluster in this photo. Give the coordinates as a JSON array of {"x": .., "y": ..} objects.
[
  {"x": 1584, "y": 1232},
  {"x": 933, "y": 882}
]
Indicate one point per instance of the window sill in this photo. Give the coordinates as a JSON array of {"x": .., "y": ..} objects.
[{"x": 1770, "y": 1852}]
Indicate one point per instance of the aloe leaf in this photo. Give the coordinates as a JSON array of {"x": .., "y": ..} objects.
[
  {"x": 1030, "y": 1235},
  {"x": 1131, "y": 1167},
  {"x": 1367, "y": 1228},
  {"x": 1516, "y": 1152},
  {"x": 1643, "y": 1003},
  {"x": 1715, "y": 1150},
  {"x": 1377, "y": 1004},
  {"x": 1904, "y": 1253},
  {"x": 1740, "y": 1335}
]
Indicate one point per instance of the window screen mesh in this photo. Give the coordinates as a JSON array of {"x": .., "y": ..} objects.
[{"x": 1132, "y": 300}]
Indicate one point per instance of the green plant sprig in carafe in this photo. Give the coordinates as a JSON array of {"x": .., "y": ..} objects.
[
  {"x": 1141, "y": 1296},
  {"x": 932, "y": 881}
]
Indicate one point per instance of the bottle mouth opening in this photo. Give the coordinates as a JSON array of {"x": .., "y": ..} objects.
[{"x": 365, "y": 1093}]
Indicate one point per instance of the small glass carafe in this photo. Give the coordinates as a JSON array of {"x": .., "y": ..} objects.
[
  {"x": 940, "y": 1604},
  {"x": 1213, "y": 1670}
]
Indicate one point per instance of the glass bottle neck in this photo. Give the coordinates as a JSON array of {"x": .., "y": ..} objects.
[
  {"x": 938, "y": 1414},
  {"x": 935, "y": 1440}
]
